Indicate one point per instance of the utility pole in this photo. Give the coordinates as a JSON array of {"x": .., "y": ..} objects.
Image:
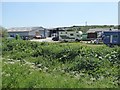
[
  {"x": 86, "y": 26},
  {"x": 86, "y": 23}
]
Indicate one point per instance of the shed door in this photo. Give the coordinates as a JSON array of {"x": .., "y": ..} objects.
[
  {"x": 115, "y": 39},
  {"x": 106, "y": 39}
]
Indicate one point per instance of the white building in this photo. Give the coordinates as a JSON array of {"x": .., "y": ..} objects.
[{"x": 29, "y": 32}]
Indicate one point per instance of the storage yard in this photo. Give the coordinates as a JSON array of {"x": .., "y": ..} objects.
[{"x": 65, "y": 34}]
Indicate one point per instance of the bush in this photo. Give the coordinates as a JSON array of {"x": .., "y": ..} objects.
[{"x": 71, "y": 59}]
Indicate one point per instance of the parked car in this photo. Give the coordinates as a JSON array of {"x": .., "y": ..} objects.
[
  {"x": 37, "y": 37},
  {"x": 55, "y": 38}
]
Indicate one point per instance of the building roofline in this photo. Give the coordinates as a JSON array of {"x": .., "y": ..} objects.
[
  {"x": 100, "y": 29},
  {"x": 24, "y": 29}
]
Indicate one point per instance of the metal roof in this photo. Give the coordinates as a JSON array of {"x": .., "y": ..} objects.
[
  {"x": 100, "y": 30},
  {"x": 114, "y": 30},
  {"x": 24, "y": 29}
]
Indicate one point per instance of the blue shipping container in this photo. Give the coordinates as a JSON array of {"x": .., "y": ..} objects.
[{"x": 111, "y": 37}]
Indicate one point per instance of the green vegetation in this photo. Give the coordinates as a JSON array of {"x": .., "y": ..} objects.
[
  {"x": 29, "y": 64},
  {"x": 17, "y": 37},
  {"x": 3, "y": 32},
  {"x": 84, "y": 29}
]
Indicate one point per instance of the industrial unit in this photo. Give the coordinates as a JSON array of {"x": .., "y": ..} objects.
[
  {"x": 31, "y": 32},
  {"x": 96, "y": 33},
  {"x": 111, "y": 38},
  {"x": 28, "y": 32}
]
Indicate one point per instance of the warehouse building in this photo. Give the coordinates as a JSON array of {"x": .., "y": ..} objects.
[
  {"x": 111, "y": 37},
  {"x": 28, "y": 32},
  {"x": 97, "y": 32}
]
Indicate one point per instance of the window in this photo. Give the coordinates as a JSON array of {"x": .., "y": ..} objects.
[
  {"x": 11, "y": 35},
  {"x": 115, "y": 36},
  {"x": 71, "y": 34},
  {"x": 77, "y": 35}
]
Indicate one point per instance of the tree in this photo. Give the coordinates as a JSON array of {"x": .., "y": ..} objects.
[
  {"x": 17, "y": 37},
  {"x": 3, "y": 32}
]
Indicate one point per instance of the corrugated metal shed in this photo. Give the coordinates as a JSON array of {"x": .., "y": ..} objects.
[
  {"x": 24, "y": 29},
  {"x": 27, "y": 32}
]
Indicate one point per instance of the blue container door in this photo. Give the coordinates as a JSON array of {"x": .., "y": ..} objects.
[
  {"x": 115, "y": 39},
  {"x": 106, "y": 39}
]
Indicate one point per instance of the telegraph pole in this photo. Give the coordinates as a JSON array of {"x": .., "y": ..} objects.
[{"x": 86, "y": 23}]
